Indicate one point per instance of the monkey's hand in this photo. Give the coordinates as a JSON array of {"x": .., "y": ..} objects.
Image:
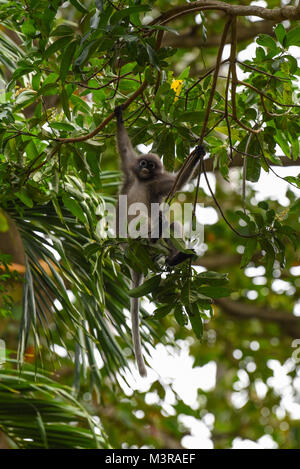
[
  {"x": 200, "y": 151},
  {"x": 119, "y": 114}
]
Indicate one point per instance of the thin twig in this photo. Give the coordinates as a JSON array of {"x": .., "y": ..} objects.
[
  {"x": 261, "y": 71},
  {"x": 102, "y": 86},
  {"x": 214, "y": 126},
  {"x": 265, "y": 95},
  {"x": 272, "y": 114},
  {"x": 200, "y": 79},
  {"x": 221, "y": 210},
  {"x": 270, "y": 167}
]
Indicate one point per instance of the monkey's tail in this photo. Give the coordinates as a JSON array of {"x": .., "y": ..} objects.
[{"x": 136, "y": 338}]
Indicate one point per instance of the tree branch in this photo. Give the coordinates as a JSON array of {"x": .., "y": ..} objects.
[
  {"x": 276, "y": 14},
  {"x": 111, "y": 116},
  {"x": 242, "y": 310}
]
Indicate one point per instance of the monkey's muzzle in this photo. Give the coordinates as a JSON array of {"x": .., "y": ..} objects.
[{"x": 144, "y": 172}]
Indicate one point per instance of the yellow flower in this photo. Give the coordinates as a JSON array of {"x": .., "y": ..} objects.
[{"x": 176, "y": 86}]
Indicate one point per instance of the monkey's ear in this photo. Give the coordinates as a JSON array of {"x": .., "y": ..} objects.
[
  {"x": 119, "y": 114},
  {"x": 200, "y": 151}
]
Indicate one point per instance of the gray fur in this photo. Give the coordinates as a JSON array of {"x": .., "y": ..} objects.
[{"x": 146, "y": 188}]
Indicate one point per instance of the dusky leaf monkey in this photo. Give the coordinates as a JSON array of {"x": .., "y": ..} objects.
[{"x": 146, "y": 181}]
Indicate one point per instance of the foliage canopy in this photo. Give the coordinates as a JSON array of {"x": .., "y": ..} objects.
[{"x": 64, "y": 67}]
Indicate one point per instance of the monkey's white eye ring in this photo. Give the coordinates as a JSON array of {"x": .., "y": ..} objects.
[{"x": 143, "y": 163}]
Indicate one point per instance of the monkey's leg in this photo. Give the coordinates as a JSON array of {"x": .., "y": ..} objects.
[
  {"x": 178, "y": 258},
  {"x": 135, "y": 323}
]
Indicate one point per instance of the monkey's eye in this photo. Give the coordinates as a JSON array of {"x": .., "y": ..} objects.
[
  {"x": 151, "y": 165},
  {"x": 143, "y": 163}
]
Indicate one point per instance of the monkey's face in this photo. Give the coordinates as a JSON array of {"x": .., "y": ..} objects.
[{"x": 148, "y": 167}]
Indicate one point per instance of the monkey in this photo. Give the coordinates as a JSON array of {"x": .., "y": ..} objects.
[{"x": 146, "y": 181}]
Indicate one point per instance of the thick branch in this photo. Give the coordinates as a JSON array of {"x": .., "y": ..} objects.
[
  {"x": 276, "y": 14},
  {"x": 242, "y": 310}
]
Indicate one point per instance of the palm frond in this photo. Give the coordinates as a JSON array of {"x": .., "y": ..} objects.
[
  {"x": 37, "y": 412},
  {"x": 70, "y": 281}
]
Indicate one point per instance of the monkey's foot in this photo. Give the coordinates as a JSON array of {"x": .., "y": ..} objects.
[
  {"x": 200, "y": 151},
  {"x": 178, "y": 258}
]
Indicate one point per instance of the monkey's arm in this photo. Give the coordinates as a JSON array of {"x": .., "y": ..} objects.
[
  {"x": 125, "y": 148},
  {"x": 163, "y": 185},
  {"x": 190, "y": 171}
]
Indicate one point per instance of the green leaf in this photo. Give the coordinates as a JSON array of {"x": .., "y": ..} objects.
[
  {"x": 24, "y": 99},
  {"x": 80, "y": 104},
  {"x": 125, "y": 12},
  {"x": 270, "y": 216},
  {"x": 79, "y": 6},
  {"x": 64, "y": 126},
  {"x": 36, "y": 79},
  {"x": 214, "y": 292},
  {"x": 191, "y": 116},
  {"x": 253, "y": 169},
  {"x": 59, "y": 44},
  {"x": 197, "y": 326},
  {"x": 162, "y": 311},
  {"x": 267, "y": 41},
  {"x": 211, "y": 278},
  {"x": 295, "y": 207},
  {"x": 282, "y": 141},
  {"x": 65, "y": 103},
  {"x": 166, "y": 148},
  {"x": 24, "y": 197},
  {"x": 28, "y": 28},
  {"x": 162, "y": 28},
  {"x": 180, "y": 316},
  {"x": 153, "y": 57},
  {"x": 259, "y": 219},
  {"x": 63, "y": 30},
  {"x": 291, "y": 234},
  {"x": 280, "y": 34},
  {"x": 66, "y": 59},
  {"x": 147, "y": 287},
  {"x": 74, "y": 208},
  {"x": 293, "y": 37},
  {"x": 3, "y": 222},
  {"x": 269, "y": 256},
  {"x": 250, "y": 248},
  {"x": 264, "y": 205}
]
